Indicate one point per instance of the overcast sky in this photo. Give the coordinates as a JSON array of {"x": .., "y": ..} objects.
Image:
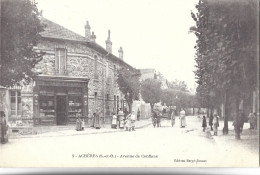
[{"x": 153, "y": 33}]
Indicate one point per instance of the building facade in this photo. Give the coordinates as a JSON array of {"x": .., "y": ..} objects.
[{"x": 77, "y": 77}]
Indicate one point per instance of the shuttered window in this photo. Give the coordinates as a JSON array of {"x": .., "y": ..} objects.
[{"x": 60, "y": 60}]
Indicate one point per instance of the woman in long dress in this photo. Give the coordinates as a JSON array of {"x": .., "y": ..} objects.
[
  {"x": 97, "y": 120},
  {"x": 182, "y": 119},
  {"x": 173, "y": 118},
  {"x": 114, "y": 121}
]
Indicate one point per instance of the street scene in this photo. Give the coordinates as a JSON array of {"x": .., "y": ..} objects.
[{"x": 103, "y": 84}]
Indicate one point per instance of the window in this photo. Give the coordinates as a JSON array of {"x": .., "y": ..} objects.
[
  {"x": 16, "y": 104},
  {"x": 60, "y": 60}
]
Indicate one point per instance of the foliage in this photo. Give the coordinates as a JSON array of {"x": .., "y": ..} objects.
[
  {"x": 129, "y": 85},
  {"x": 225, "y": 50},
  {"x": 151, "y": 91},
  {"x": 20, "y": 32}
]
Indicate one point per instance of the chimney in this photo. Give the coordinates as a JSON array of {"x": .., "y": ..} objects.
[
  {"x": 121, "y": 53},
  {"x": 93, "y": 37},
  {"x": 108, "y": 43},
  {"x": 87, "y": 31}
]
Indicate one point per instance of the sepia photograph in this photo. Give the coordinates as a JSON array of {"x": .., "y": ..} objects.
[{"x": 129, "y": 83}]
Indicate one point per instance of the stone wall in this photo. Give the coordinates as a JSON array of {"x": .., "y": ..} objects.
[{"x": 80, "y": 63}]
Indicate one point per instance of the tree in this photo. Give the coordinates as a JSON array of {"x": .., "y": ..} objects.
[
  {"x": 151, "y": 91},
  {"x": 20, "y": 32},
  {"x": 225, "y": 52},
  {"x": 129, "y": 85}
]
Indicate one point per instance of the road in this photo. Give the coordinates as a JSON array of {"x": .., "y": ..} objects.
[{"x": 146, "y": 147}]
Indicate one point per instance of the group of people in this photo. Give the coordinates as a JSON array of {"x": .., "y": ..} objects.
[
  {"x": 122, "y": 120},
  {"x": 80, "y": 123},
  {"x": 156, "y": 118},
  {"x": 213, "y": 122}
]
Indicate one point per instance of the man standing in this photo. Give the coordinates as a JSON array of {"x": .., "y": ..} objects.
[
  {"x": 3, "y": 128},
  {"x": 173, "y": 117}
]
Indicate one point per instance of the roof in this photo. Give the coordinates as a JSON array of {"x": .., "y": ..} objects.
[
  {"x": 53, "y": 30},
  {"x": 56, "y": 31}
]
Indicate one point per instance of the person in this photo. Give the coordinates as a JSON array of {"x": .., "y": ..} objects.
[
  {"x": 3, "y": 128},
  {"x": 128, "y": 122},
  {"x": 154, "y": 119},
  {"x": 204, "y": 123},
  {"x": 211, "y": 121},
  {"x": 138, "y": 114},
  {"x": 241, "y": 120},
  {"x": 97, "y": 120},
  {"x": 133, "y": 118},
  {"x": 114, "y": 121},
  {"x": 173, "y": 117},
  {"x": 215, "y": 124},
  {"x": 182, "y": 119},
  {"x": 82, "y": 124},
  {"x": 251, "y": 120},
  {"x": 78, "y": 124},
  {"x": 120, "y": 118}
]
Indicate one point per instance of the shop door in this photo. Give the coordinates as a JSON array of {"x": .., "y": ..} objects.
[{"x": 61, "y": 110}]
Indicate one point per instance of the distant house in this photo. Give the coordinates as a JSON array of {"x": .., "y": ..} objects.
[{"x": 77, "y": 77}]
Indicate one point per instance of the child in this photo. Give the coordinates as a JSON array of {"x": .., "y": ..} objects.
[
  {"x": 215, "y": 124},
  {"x": 204, "y": 123}
]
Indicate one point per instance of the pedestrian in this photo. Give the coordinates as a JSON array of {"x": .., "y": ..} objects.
[
  {"x": 133, "y": 118},
  {"x": 120, "y": 118},
  {"x": 173, "y": 117},
  {"x": 241, "y": 120},
  {"x": 114, "y": 121},
  {"x": 78, "y": 123},
  {"x": 211, "y": 121},
  {"x": 204, "y": 123},
  {"x": 215, "y": 124},
  {"x": 182, "y": 119},
  {"x": 251, "y": 120},
  {"x": 128, "y": 122},
  {"x": 97, "y": 120},
  {"x": 82, "y": 124},
  {"x": 138, "y": 114},
  {"x": 3, "y": 128},
  {"x": 154, "y": 118}
]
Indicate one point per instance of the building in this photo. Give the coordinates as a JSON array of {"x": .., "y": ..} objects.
[{"x": 77, "y": 77}]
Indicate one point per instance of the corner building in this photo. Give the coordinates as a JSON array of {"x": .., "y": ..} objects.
[{"x": 76, "y": 77}]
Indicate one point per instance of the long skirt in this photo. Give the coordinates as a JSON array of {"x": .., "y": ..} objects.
[
  {"x": 215, "y": 128},
  {"x": 173, "y": 122},
  {"x": 183, "y": 122}
]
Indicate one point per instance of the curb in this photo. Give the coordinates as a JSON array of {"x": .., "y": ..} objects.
[{"x": 102, "y": 132}]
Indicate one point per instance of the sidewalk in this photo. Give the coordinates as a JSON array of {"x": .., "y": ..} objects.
[
  {"x": 241, "y": 152},
  {"x": 69, "y": 130}
]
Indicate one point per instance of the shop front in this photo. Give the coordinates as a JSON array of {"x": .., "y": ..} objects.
[{"x": 60, "y": 100}]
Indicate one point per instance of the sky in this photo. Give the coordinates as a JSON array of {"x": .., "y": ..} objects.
[{"x": 153, "y": 33}]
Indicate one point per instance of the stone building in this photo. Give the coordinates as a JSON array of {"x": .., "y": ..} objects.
[{"x": 77, "y": 77}]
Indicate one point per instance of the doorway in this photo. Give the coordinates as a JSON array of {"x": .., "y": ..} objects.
[{"x": 61, "y": 110}]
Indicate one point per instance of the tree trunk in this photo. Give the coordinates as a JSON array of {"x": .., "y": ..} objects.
[
  {"x": 152, "y": 105},
  {"x": 130, "y": 106},
  {"x": 226, "y": 113},
  {"x": 236, "y": 120}
]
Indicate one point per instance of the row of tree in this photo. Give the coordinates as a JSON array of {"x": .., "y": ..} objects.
[
  {"x": 176, "y": 94},
  {"x": 226, "y": 53}
]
